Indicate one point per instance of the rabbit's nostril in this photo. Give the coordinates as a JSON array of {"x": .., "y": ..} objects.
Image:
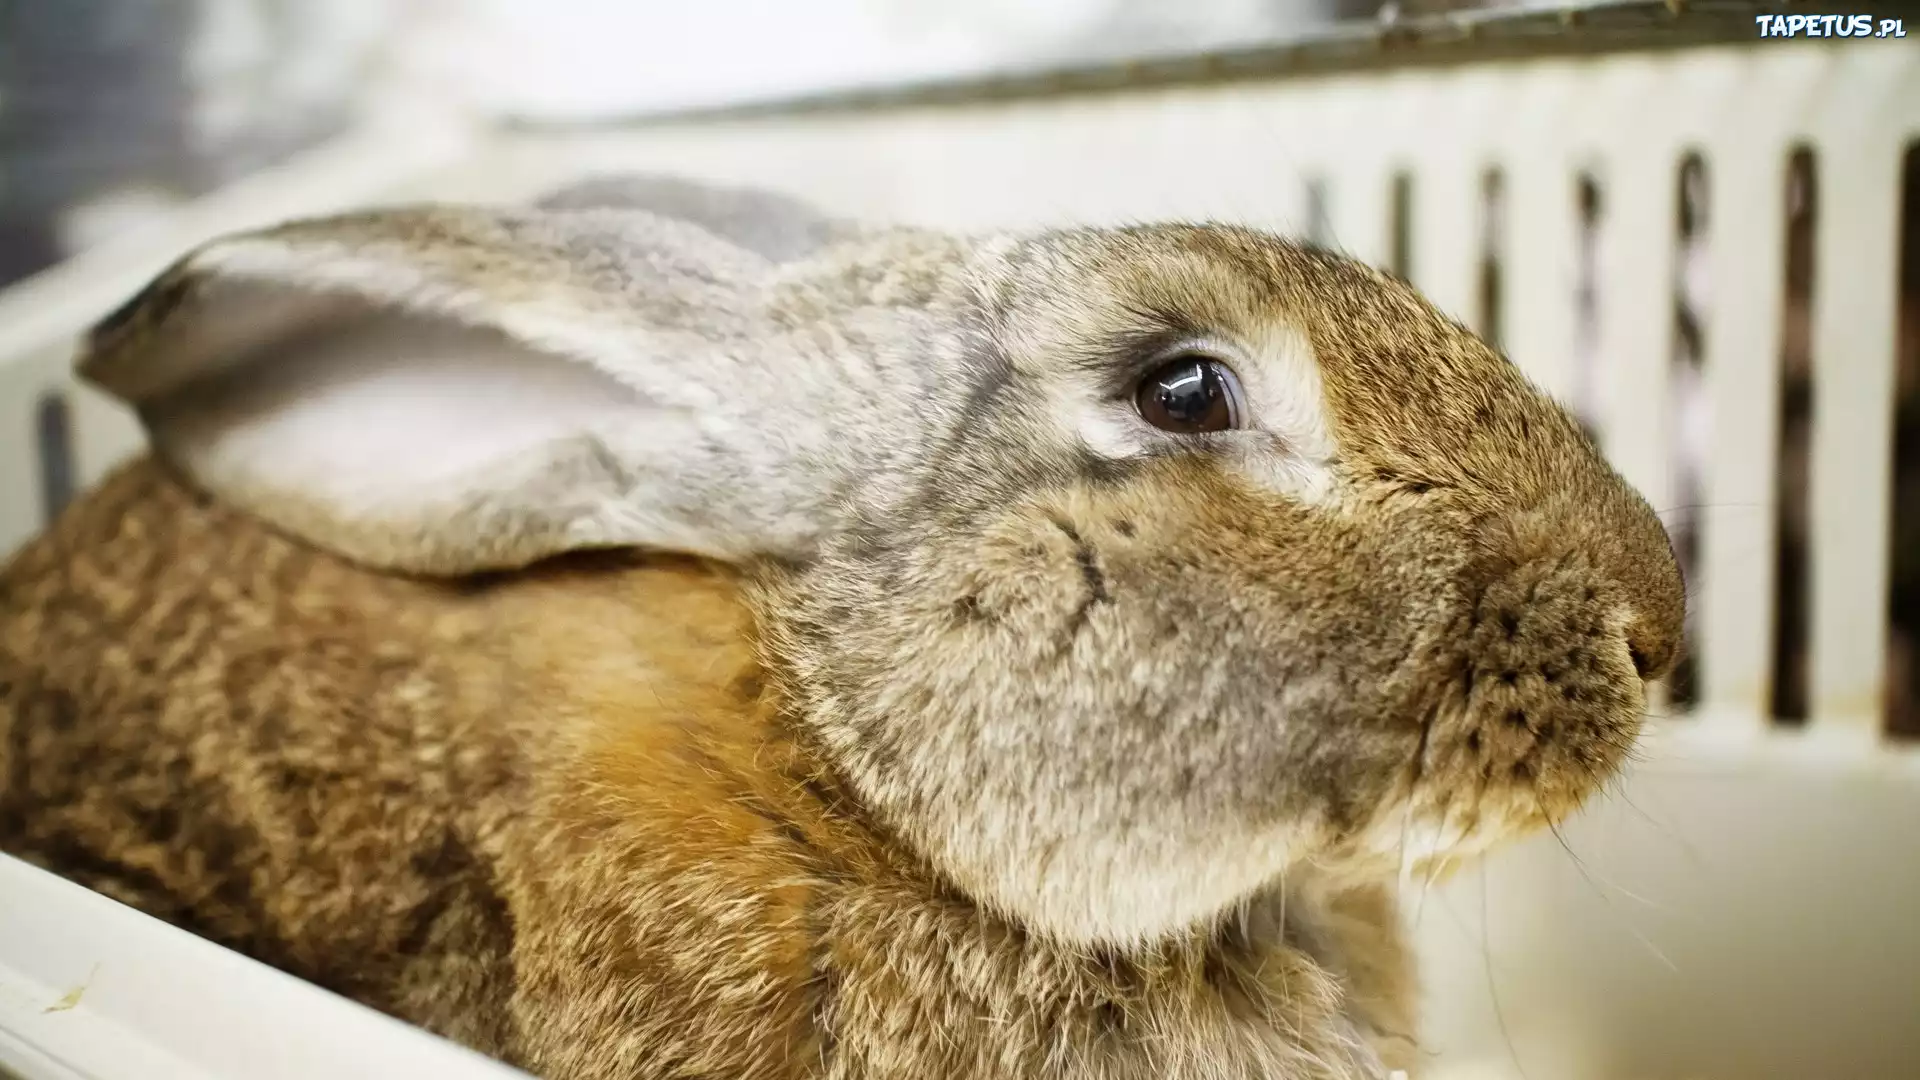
[
  {"x": 1640, "y": 662},
  {"x": 1651, "y": 658}
]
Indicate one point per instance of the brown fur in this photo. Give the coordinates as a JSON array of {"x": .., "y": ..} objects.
[{"x": 555, "y": 816}]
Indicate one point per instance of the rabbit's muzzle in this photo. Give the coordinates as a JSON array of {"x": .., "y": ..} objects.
[{"x": 1548, "y": 701}]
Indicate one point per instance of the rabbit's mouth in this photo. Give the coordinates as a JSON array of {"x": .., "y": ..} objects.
[{"x": 1541, "y": 708}]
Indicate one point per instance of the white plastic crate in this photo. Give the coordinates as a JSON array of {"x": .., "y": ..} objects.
[
  {"x": 90, "y": 989},
  {"x": 1742, "y": 906}
]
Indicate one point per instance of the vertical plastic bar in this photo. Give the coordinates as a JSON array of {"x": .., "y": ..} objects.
[
  {"x": 1448, "y": 155},
  {"x": 1636, "y": 271},
  {"x": 1541, "y": 230},
  {"x": 1853, "y": 327},
  {"x": 1742, "y": 367}
]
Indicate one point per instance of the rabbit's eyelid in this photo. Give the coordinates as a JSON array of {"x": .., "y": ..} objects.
[{"x": 1145, "y": 357}]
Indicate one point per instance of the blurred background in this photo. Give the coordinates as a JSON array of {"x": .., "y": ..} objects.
[
  {"x": 113, "y": 109},
  {"x": 1708, "y": 243}
]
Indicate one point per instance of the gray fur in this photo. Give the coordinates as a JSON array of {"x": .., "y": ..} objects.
[{"x": 710, "y": 359}]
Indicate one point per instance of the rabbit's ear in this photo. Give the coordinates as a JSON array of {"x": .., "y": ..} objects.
[
  {"x": 448, "y": 390},
  {"x": 774, "y": 225}
]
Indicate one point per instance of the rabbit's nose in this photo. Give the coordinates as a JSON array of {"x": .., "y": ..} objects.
[{"x": 1592, "y": 534}]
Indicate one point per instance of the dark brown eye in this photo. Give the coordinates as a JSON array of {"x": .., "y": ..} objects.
[{"x": 1191, "y": 394}]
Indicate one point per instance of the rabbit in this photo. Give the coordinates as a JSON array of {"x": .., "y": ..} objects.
[{"x": 640, "y": 634}]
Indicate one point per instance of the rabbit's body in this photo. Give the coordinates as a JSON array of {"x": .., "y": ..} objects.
[
  {"x": 243, "y": 736},
  {"x": 1099, "y": 622},
  {"x": 367, "y": 780}
]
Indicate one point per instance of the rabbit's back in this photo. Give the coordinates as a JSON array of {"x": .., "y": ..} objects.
[
  {"x": 268, "y": 747},
  {"x": 446, "y": 800}
]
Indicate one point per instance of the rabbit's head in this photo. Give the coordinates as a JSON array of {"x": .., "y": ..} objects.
[{"x": 1120, "y": 573}]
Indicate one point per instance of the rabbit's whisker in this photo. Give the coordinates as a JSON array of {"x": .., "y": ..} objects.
[
  {"x": 1435, "y": 862},
  {"x": 1493, "y": 987},
  {"x": 1614, "y": 787},
  {"x": 1419, "y": 769},
  {"x": 1600, "y": 891}
]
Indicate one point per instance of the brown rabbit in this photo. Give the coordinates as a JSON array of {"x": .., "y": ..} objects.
[{"x": 649, "y": 636}]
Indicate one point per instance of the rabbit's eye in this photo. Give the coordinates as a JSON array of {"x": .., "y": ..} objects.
[{"x": 1191, "y": 394}]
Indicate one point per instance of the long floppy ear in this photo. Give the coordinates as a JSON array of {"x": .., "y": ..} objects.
[
  {"x": 776, "y": 226},
  {"x": 447, "y": 390}
]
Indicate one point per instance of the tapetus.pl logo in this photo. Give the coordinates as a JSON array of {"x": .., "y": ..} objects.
[{"x": 1829, "y": 26}]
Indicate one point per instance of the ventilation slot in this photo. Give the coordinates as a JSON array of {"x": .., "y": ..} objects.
[
  {"x": 1791, "y": 534},
  {"x": 1492, "y": 243},
  {"x": 1586, "y": 300},
  {"x": 1903, "y": 645},
  {"x": 1400, "y": 227},
  {"x": 53, "y": 440},
  {"x": 1690, "y": 431}
]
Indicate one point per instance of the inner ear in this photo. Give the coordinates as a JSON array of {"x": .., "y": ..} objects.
[
  {"x": 378, "y": 403},
  {"x": 420, "y": 444}
]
